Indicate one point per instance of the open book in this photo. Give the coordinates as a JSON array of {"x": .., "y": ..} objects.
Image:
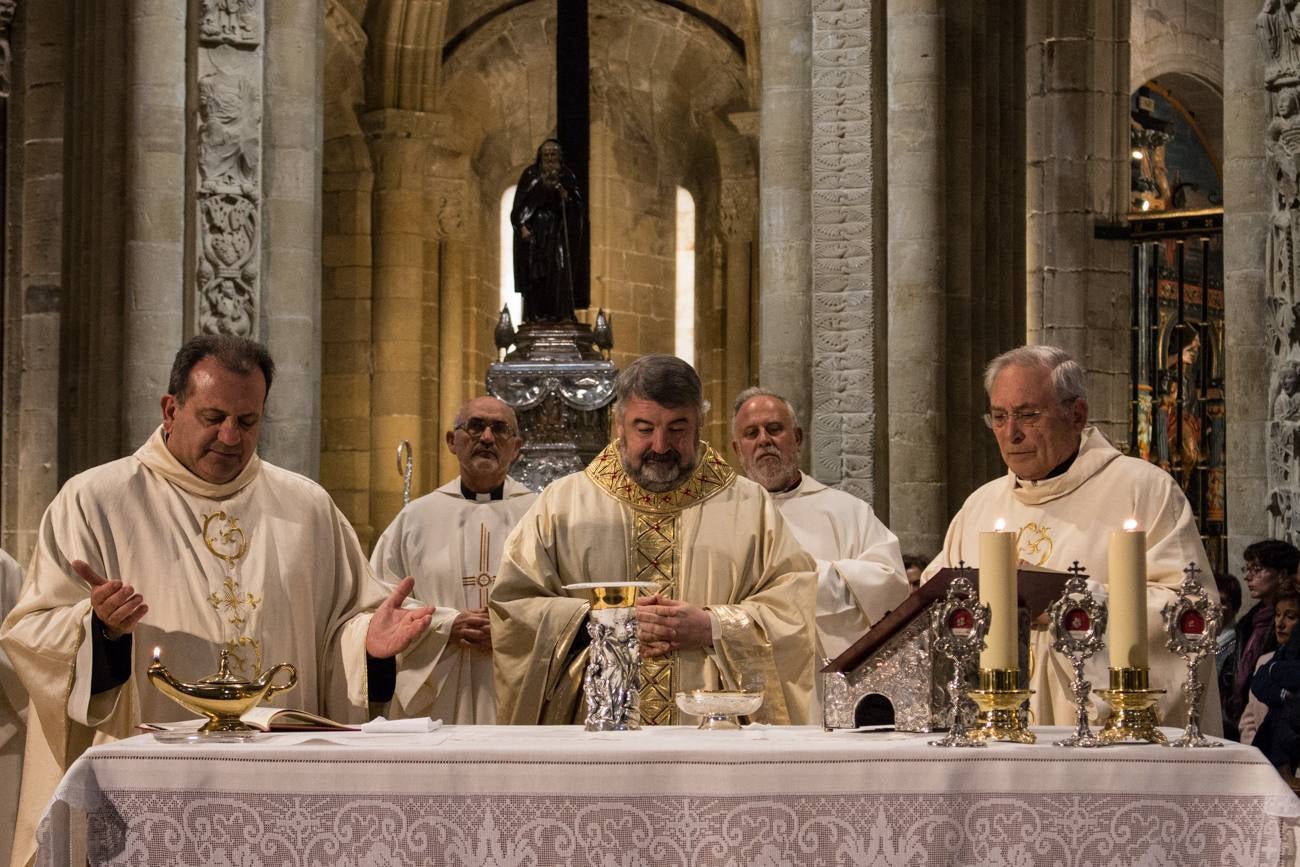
[{"x": 263, "y": 718}]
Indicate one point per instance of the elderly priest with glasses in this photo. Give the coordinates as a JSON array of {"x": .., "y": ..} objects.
[
  {"x": 450, "y": 541},
  {"x": 1065, "y": 490}
]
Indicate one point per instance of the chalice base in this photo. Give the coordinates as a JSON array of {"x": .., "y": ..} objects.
[
  {"x": 1088, "y": 740},
  {"x": 1192, "y": 741},
  {"x": 1133, "y": 717},
  {"x": 999, "y": 716}
]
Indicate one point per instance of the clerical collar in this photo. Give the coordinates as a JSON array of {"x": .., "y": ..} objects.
[
  {"x": 1061, "y": 468},
  {"x": 497, "y": 493}
]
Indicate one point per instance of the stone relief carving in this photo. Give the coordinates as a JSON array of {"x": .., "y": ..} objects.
[
  {"x": 1278, "y": 28},
  {"x": 737, "y": 209},
  {"x": 230, "y": 22},
  {"x": 449, "y": 208},
  {"x": 844, "y": 193},
  {"x": 7, "y": 9},
  {"x": 229, "y": 189}
]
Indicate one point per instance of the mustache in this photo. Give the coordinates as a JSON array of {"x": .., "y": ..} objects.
[{"x": 670, "y": 456}]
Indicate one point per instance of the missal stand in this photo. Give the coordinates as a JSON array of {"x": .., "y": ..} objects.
[{"x": 892, "y": 675}]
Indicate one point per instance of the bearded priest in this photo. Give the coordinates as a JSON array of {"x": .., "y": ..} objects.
[
  {"x": 735, "y": 594},
  {"x": 195, "y": 545}
]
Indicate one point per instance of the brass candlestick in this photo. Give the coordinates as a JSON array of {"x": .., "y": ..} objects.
[
  {"x": 999, "y": 698},
  {"x": 1132, "y": 708}
]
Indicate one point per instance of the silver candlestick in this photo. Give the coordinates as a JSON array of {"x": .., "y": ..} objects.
[
  {"x": 1078, "y": 622},
  {"x": 957, "y": 629},
  {"x": 1192, "y": 621}
]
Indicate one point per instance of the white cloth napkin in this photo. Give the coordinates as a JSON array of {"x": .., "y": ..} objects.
[{"x": 379, "y": 725}]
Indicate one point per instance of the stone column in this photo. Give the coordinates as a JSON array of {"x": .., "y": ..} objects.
[
  {"x": 155, "y": 211},
  {"x": 454, "y": 308},
  {"x": 1260, "y": 266},
  {"x": 849, "y": 435},
  {"x": 785, "y": 222},
  {"x": 736, "y": 224},
  {"x": 1078, "y": 176},
  {"x": 400, "y": 144},
  {"x": 917, "y": 235},
  {"x": 34, "y": 277},
  {"x": 291, "y": 261}
]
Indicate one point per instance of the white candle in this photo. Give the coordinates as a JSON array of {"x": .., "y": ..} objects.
[
  {"x": 998, "y": 589},
  {"x": 1127, "y": 577}
]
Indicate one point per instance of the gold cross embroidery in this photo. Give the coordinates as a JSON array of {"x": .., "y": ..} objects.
[
  {"x": 238, "y": 604},
  {"x": 227, "y": 541},
  {"x": 482, "y": 580}
]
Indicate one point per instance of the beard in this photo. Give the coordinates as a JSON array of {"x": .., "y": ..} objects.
[
  {"x": 658, "y": 472},
  {"x": 773, "y": 470}
]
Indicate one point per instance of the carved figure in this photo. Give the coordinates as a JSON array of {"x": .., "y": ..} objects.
[
  {"x": 228, "y": 308},
  {"x": 230, "y": 117},
  {"x": 233, "y": 21},
  {"x": 547, "y": 216},
  {"x": 1286, "y": 405}
]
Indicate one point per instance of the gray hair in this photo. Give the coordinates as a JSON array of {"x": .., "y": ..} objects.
[
  {"x": 758, "y": 391},
  {"x": 1068, "y": 376},
  {"x": 664, "y": 379}
]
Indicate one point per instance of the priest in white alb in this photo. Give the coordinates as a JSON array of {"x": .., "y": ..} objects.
[
  {"x": 860, "y": 573},
  {"x": 1066, "y": 489},
  {"x": 734, "y": 597},
  {"x": 195, "y": 546},
  {"x": 13, "y": 713},
  {"x": 450, "y": 542}
]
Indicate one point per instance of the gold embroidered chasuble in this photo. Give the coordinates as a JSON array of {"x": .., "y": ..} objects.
[
  {"x": 1070, "y": 517},
  {"x": 717, "y": 541},
  {"x": 265, "y": 566}
]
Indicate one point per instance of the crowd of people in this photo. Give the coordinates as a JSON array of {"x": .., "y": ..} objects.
[{"x": 195, "y": 545}]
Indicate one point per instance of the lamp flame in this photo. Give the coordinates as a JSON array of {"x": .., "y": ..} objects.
[{"x": 157, "y": 653}]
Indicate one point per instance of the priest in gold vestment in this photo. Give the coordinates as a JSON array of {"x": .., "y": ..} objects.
[
  {"x": 195, "y": 545},
  {"x": 735, "y": 601},
  {"x": 1066, "y": 489}
]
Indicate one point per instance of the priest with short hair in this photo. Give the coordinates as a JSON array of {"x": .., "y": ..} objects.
[
  {"x": 734, "y": 592},
  {"x": 1065, "y": 491},
  {"x": 860, "y": 573},
  {"x": 450, "y": 541},
  {"x": 196, "y": 546}
]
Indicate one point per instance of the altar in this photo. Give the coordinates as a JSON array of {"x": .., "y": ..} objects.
[{"x": 798, "y": 796}]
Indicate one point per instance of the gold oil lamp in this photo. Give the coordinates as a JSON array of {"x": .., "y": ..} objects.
[{"x": 222, "y": 697}]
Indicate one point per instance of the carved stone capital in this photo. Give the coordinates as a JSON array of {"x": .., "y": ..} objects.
[{"x": 396, "y": 124}]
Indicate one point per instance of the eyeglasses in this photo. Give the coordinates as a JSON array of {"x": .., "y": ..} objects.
[
  {"x": 997, "y": 419},
  {"x": 475, "y": 427}
]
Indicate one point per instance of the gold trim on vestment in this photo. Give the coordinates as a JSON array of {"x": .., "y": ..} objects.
[
  {"x": 227, "y": 541},
  {"x": 656, "y": 552}
]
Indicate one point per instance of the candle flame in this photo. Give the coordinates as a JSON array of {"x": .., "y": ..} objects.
[
  {"x": 157, "y": 652},
  {"x": 999, "y": 525},
  {"x": 1130, "y": 525}
]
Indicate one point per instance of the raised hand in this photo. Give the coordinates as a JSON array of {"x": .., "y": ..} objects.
[
  {"x": 115, "y": 603},
  {"x": 392, "y": 627}
]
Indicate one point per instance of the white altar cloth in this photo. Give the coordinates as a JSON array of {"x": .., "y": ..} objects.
[{"x": 498, "y": 795}]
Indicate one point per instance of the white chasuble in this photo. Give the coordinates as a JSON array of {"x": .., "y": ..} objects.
[
  {"x": 452, "y": 547},
  {"x": 860, "y": 574},
  {"x": 264, "y": 566},
  {"x": 716, "y": 542},
  {"x": 1070, "y": 517}
]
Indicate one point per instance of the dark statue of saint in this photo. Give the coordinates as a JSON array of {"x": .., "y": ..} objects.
[{"x": 548, "y": 224}]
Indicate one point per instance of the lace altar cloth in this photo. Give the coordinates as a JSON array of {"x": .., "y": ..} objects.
[{"x": 500, "y": 796}]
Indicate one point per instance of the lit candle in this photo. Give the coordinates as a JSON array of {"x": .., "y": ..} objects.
[
  {"x": 998, "y": 590},
  {"x": 1127, "y": 577}
]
